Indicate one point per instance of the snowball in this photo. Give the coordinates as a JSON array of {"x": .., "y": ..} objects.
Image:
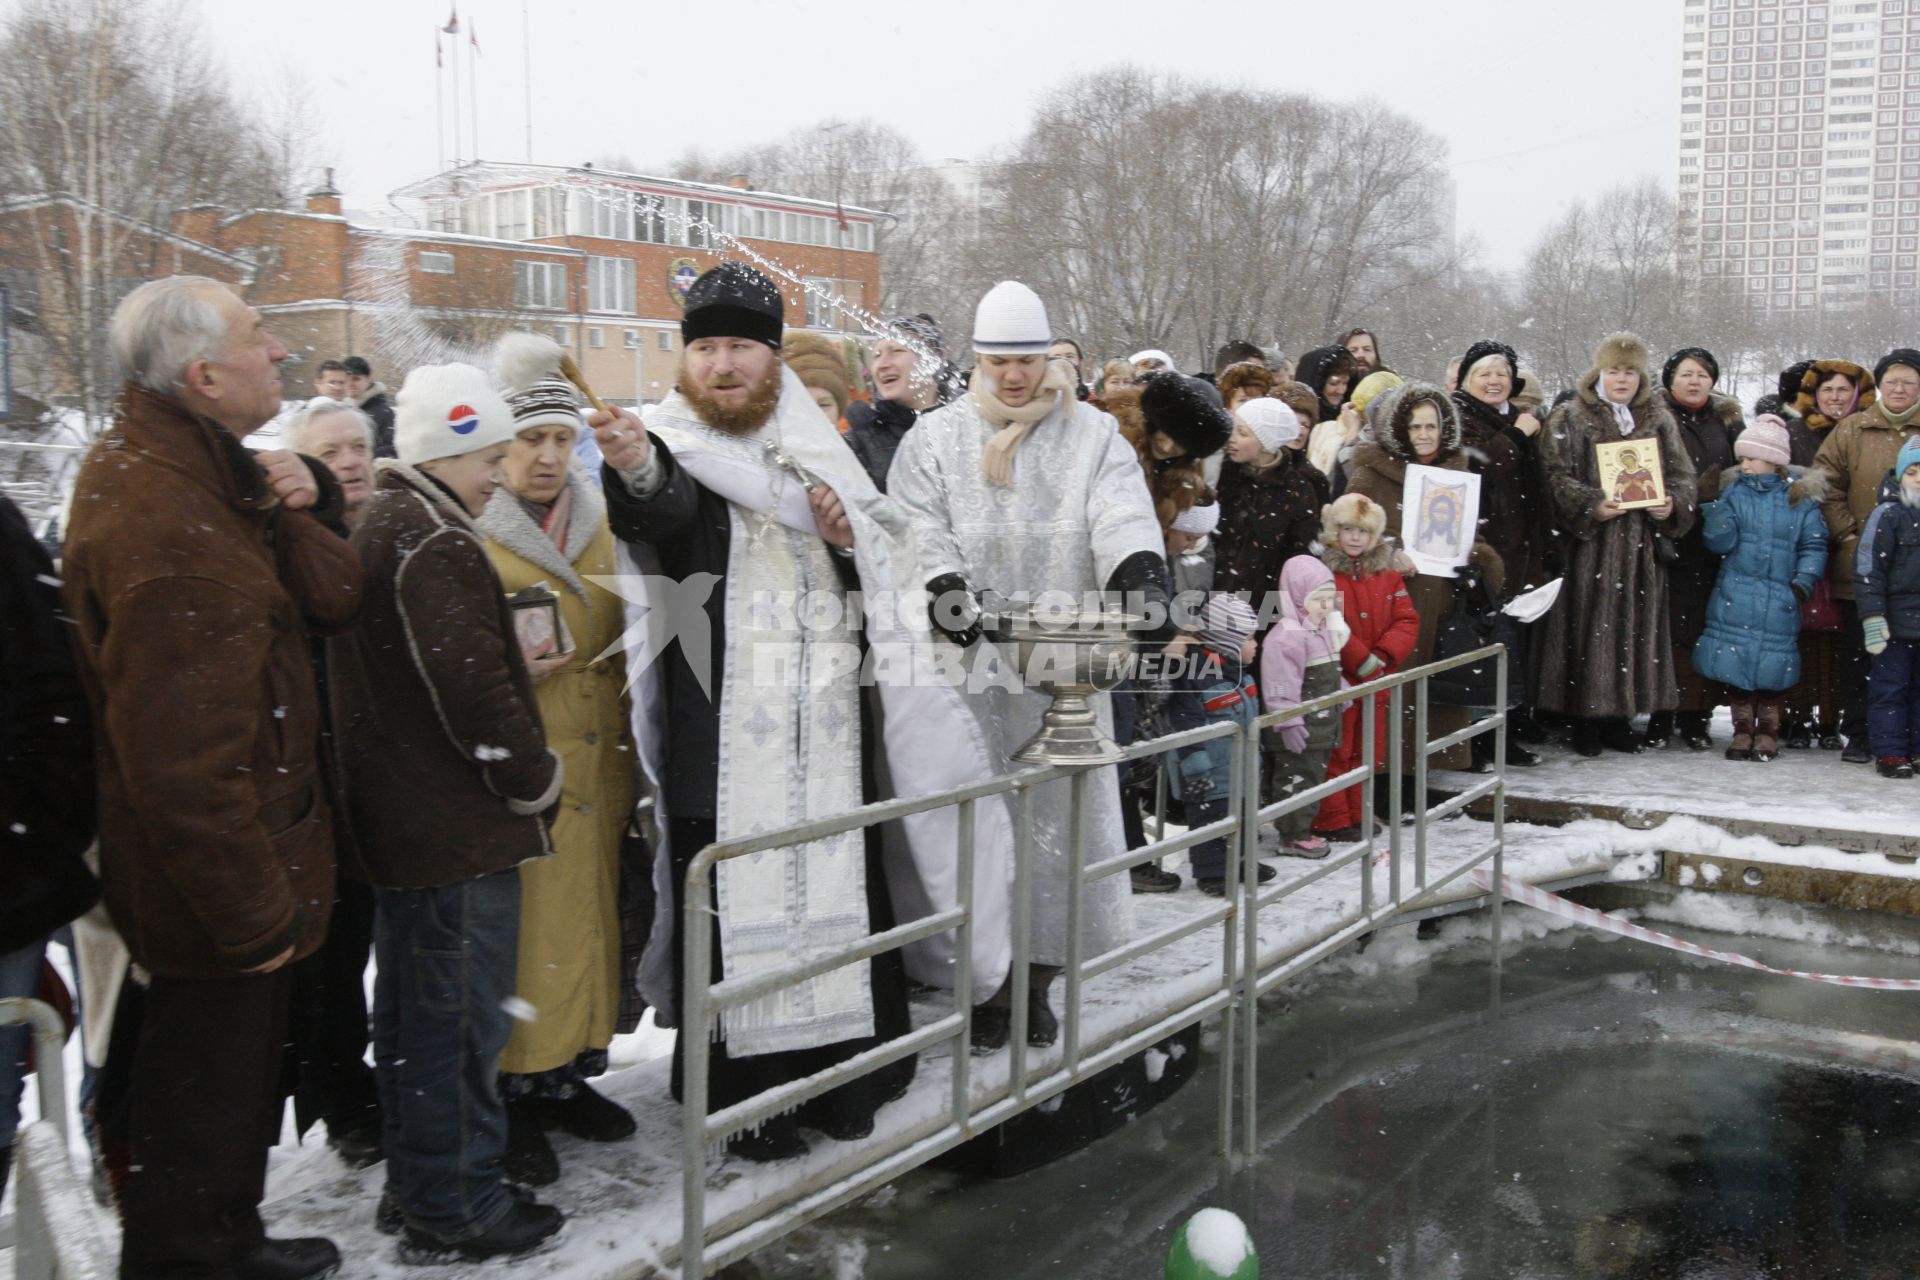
[{"x": 1218, "y": 1241}]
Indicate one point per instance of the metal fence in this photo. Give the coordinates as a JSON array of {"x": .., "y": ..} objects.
[
  {"x": 982, "y": 1094},
  {"x": 56, "y": 1239}
]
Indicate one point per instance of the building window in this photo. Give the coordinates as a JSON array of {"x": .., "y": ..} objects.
[
  {"x": 436, "y": 264},
  {"x": 596, "y": 337},
  {"x": 561, "y": 336},
  {"x": 610, "y": 286},
  {"x": 540, "y": 285},
  {"x": 631, "y": 339},
  {"x": 666, "y": 340}
]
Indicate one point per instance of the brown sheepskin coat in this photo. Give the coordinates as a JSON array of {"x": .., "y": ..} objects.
[
  {"x": 1379, "y": 470},
  {"x": 1608, "y": 647}
]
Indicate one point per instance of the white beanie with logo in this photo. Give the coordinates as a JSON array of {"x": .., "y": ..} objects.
[
  {"x": 1011, "y": 321},
  {"x": 444, "y": 410}
]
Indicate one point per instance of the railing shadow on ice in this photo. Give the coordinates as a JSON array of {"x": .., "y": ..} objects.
[{"x": 985, "y": 1092}]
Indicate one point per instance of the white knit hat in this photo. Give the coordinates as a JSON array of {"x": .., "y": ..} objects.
[
  {"x": 444, "y": 410},
  {"x": 1273, "y": 422},
  {"x": 1011, "y": 321},
  {"x": 1200, "y": 519},
  {"x": 1153, "y": 353}
]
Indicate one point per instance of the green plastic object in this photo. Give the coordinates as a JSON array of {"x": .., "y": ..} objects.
[{"x": 1213, "y": 1245}]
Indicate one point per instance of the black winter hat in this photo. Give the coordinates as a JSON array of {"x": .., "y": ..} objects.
[
  {"x": 1790, "y": 377},
  {"x": 1488, "y": 347},
  {"x": 1186, "y": 410},
  {"x": 1899, "y": 355},
  {"x": 733, "y": 301},
  {"x": 1704, "y": 356}
]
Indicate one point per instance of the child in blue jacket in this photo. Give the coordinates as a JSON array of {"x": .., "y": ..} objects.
[
  {"x": 1887, "y": 583},
  {"x": 1767, "y": 525},
  {"x": 1213, "y": 686}
]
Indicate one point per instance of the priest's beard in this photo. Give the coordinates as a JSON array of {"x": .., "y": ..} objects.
[{"x": 742, "y": 419}]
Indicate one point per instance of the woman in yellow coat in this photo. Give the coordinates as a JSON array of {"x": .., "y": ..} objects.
[{"x": 547, "y": 526}]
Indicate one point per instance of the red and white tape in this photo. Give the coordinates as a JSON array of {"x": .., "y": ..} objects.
[{"x": 1553, "y": 904}]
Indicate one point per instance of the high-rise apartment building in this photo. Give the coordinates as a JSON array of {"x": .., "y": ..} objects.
[{"x": 1800, "y": 147}]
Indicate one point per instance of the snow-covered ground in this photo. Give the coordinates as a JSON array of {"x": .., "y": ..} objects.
[{"x": 624, "y": 1200}]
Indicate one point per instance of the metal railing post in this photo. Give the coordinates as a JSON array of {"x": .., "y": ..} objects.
[
  {"x": 1499, "y": 813},
  {"x": 1076, "y": 905},
  {"x": 696, "y": 1045},
  {"x": 1396, "y": 756},
  {"x": 1018, "y": 976},
  {"x": 1423, "y": 737},
  {"x": 1249, "y": 975},
  {"x": 963, "y": 969}
]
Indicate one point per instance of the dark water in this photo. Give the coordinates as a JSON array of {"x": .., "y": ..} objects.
[{"x": 1617, "y": 1111}]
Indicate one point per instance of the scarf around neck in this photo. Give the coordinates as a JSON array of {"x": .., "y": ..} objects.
[
  {"x": 1622, "y": 414},
  {"x": 1015, "y": 423}
]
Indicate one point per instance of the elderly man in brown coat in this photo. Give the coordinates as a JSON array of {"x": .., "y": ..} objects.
[{"x": 194, "y": 572}]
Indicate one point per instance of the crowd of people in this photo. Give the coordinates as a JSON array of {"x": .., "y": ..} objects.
[{"x": 393, "y": 691}]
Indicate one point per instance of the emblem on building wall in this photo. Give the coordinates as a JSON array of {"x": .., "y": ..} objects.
[{"x": 681, "y": 273}]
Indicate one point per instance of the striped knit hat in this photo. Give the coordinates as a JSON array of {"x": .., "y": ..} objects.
[
  {"x": 1225, "y": 624},
  {"x": 547, "y": 401}
]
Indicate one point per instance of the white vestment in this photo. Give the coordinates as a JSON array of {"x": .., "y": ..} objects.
[{"x": 1077, "y": 507}]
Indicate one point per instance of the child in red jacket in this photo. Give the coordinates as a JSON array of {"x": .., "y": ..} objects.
[{"x": 1384, "y": 627}]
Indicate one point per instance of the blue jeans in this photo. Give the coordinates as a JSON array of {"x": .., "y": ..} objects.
[
  {"x": 19, "y": 976},
  {"x": 1893, "y": 700},
  {"x": 446, "y": 962}
]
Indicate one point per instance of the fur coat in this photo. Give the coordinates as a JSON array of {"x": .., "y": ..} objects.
[
  {"x": 1608, "y": 648},
  {"x": 1174, "y": 483},
  {"x": 1379, "y": 470}
]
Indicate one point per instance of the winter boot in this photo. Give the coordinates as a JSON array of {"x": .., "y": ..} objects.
[
  {"x": 1151, "y": 877},
  {"x": 1766, "y": 728},
  {"x": 1741, "y": 747},
  {"x": 1797, "y": 735},
  {"x": 1585, "y": 739},
  {"x": 1693, "y": 730},
  {"x": 1660, "y": 730},
  {"x": 529, "y": 1159},
  {"x": 1894, "y": 767},
  {"x": 1042, "y": 1027},
  {"x": 1618, "y": 735}
]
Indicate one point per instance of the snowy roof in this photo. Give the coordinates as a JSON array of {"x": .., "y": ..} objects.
[
  {"x": 20, "y": 203},
  {"x": 491, "y": 175}
]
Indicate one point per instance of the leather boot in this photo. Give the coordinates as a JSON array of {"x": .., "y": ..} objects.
[
  {"x": 1693, "y": 730},
  {"x": 1660, "y": 730},
  {"x": 1741, "y": 746},
  {"x": 1767, "y": 713}
]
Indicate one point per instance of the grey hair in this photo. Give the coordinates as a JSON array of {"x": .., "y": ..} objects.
[
  {"x": 162, "y": 327},
  {"x": 319, "y": 407}
]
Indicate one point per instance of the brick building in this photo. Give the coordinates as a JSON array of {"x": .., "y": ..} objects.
[{"x": 596, "y": 259}]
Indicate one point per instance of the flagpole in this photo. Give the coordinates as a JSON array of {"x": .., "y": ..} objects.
[
  {"x": 526, "y": 55},
  {"x": 473, "y": 84},
  {"x": 439, "y": 106},
  {"x": 456, "y": 95}
]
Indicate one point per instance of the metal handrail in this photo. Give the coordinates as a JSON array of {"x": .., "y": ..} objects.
[{"x": 1244, "y": 972}]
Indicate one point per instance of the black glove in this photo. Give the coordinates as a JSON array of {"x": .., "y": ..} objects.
[
  {"x": 953, "y": 610},
  {"x": 1799, "y": 593},
  {"x": 1140, "y": 583}
]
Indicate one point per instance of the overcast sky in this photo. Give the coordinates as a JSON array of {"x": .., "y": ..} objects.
[{"x": 1538, "y": 102}]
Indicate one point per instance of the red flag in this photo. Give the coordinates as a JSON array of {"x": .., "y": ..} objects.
[
  {"x": 453, "y": 24},
  {"x": 840, "y": 216},
  {"x": 473, "y": 35}
]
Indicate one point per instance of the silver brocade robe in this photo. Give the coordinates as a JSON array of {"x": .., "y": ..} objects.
[{"x": 1077, "y": 507}]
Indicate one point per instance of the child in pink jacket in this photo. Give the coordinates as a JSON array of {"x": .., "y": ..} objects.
[{"x": 1299, "y": 662}]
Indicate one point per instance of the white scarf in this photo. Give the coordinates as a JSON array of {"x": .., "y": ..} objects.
[
  {"x": 1622, "y": 415},
  {"x": 1015, "y": 423}
]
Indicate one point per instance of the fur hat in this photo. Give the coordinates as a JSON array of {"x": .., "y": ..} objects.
[
  {"x": 1789, "y": 384},
  {"x": 1766, "y": 439},
  {"x": 1481, "y": 350},
  {"x": 1899, "y": 355},
  {"x": 1380, "y": 380},
  {"x": 1527, "y": 388},
  {"x": 445, "y": 410},
  {"x": 1352, "y": 511},
  {"x": 733, "y": 300},
  {"x": 1394, "y": 438},
  {"x": 1620, "y": 351},
  {"x": 1254, "y": 379},
  {"x": 1152, "y": 353},
  {"x": 1322, "y": 363},
  {"x": 1186, "y": 410},
  {"x": 1806, "y": 399},
  {"x": 1700, "y": 354},
  {"x": 1273, "y": 424},
  {"x": 817, "y": 361},
  {"x": 1297, "y": 396}
]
